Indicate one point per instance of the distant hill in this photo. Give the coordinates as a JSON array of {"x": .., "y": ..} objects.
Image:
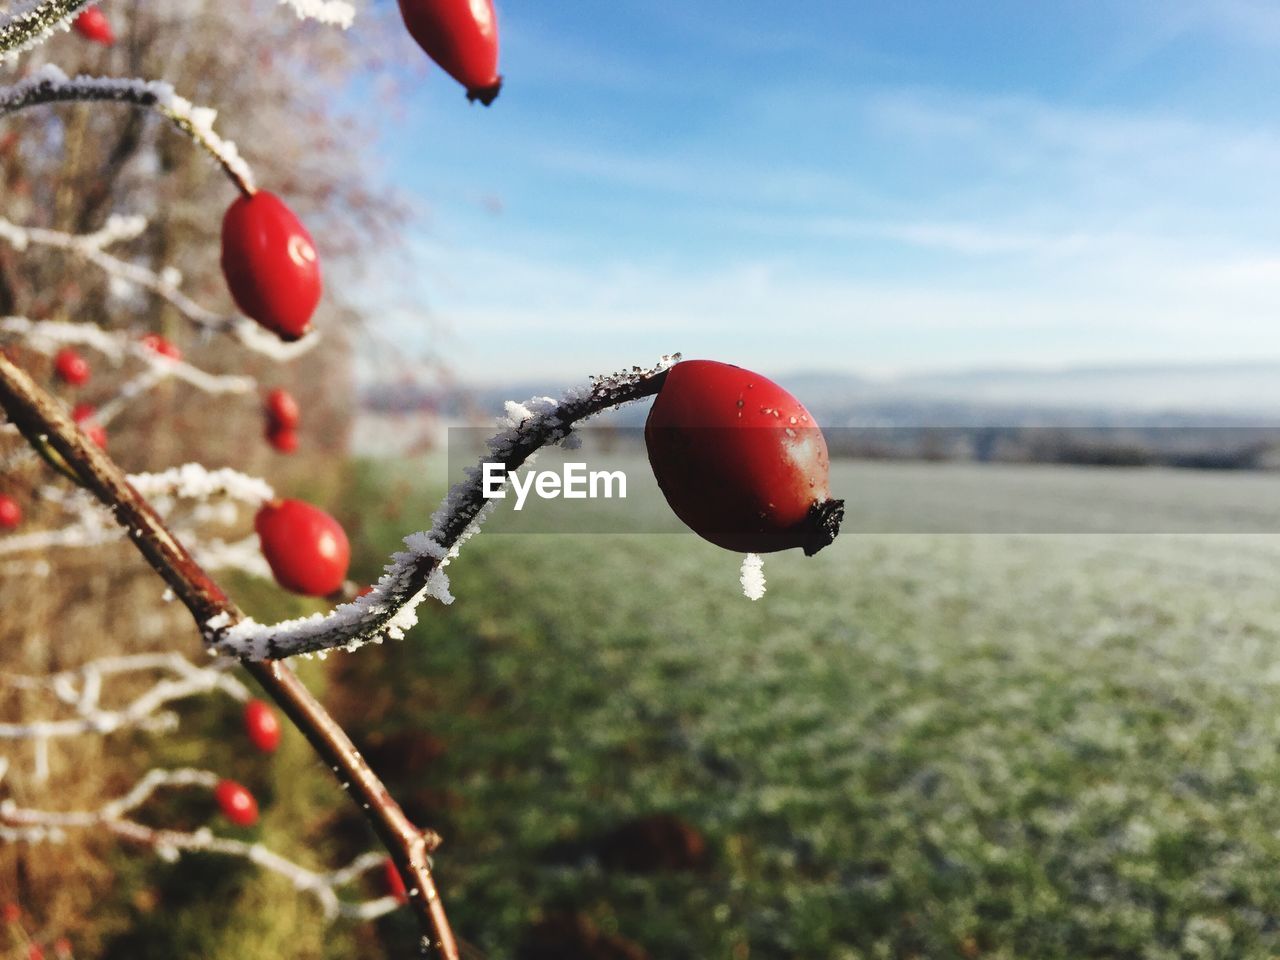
[{"x": 1242, "y": 394}]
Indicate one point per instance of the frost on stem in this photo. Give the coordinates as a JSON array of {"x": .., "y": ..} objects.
[
  {"x": 48, "y": 336},
  {"x": 28, "y": 825},
  {"x": 51, "y": 85},
  {"x": 34, "y": 21},
  {"x": 417, "y": 572},
  {"x": 90, "y": 247},
  {"x": 336, "y": 12},
  {"x": 81, "y": 690},
  {"x": 213, "y": 493}
]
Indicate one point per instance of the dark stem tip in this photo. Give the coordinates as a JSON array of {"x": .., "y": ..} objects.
[
  {"x": 485, "y": 95},
  {"x": 822, "y": 525}
]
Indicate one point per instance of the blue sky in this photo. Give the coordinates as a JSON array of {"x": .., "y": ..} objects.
[{"x": 871, "y": 187}]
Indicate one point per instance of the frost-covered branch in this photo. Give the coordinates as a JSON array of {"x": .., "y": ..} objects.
[
  {"x": 48, "y": 336},
  {"x": 418, "y": 572},
  {"x": 25, "y": 824},
  {"x": 207, "y": 489},
  {"x": 81, "y": 689},
  {"x": 51, "y": 85},
  {"x": 336, "y": 12},
  {"x": 32, "y": 23},
  {"x": 164, "y": 283}
]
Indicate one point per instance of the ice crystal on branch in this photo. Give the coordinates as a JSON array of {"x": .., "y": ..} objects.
[
  {"x": 416, "y": 573},
  {"x": 50, "y": 85},
  {"x": 34, "y": 22}
]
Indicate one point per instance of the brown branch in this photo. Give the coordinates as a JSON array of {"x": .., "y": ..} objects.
[{"x": 41, "y": 420}]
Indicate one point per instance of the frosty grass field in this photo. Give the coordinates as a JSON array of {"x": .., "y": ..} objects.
[{"x": 914, "y": 746}]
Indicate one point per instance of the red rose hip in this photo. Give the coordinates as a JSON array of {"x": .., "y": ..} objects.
[
  {"x": 282, "y": 439},
  {"x": 10, "y": 512},
  {"x": 270, "y": 264},
  {"x": 262, "y": 726},
  {"x": 161, "y": 345},
  {"x": 306, "y": 548},
  {"x": 282, "y": 410},
  {"x": 740, "y": 460},
  {"x": 71, "y": 367},
  {"x": 236, "y": 803},
  {"x": 92, "y": 24},
  {"x": 462, "y": 37}
]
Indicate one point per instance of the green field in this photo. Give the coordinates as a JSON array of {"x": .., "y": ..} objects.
[{"x": 915, "y": 746}]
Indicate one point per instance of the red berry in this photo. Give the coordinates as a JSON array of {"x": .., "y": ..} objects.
[
  {"x": 282, "y": 410},
  {"x": 261, "y": 725},
  {"x": 11, "y": 913},
  {"x": 461, "y": 36},
  {"x": 35, "y": 952},
  {"x": 84, "y": 414},
  {"x": 71, "y": 367},
  {"x": 284, "y": 439},
  {"x": 270, "y": 264},
  {"x": 306, "y": 548},
  {"x": 395, "y": 882},
  {"x": 740, "y": 460},
  {"x": 10, "y": 517},
  {"x": 237, "y": 803},
  {"x": 161, "y": 345},
  {"x": 92, "y": 24}
]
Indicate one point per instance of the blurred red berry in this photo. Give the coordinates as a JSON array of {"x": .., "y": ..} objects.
[
  {"x": 35, "y": 952},
  {"x": 282, "y": 409},
  {"x": 262, "y": 726},
  {"x": 161, "y": 345},
  {"x": 71, "y": 367},
  {"x": 10, "y": 517},
  {"x": 236, "y": 803},
  {"x": 11, "y": 913},
  {"x": 270, "y": 264},
  {"x": 62, "y": 948},
  {"x": 462, "y": 37},
  {"x": 92, "y": 24},
  {"x": 307, "y": 549},
  {"x": 283, "y": 439}
]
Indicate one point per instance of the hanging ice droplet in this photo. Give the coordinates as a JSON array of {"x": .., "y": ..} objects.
[{"x": 752, "y": 577}]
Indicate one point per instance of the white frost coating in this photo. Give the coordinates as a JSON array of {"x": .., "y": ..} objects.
[
  {"x": 194, "y": 481},
  {"x": 29, "y": 825},
  {"x": 81, "y": 689},
  {"x": 29, "y": 24},
  {"x": 752, "y": 576},
  {"x": 388, "y": 610},
  {"x": 49, "y": 336},
  {"x": 50, "y": 85},
  {"x": 124, "y": 276},
  {"x": 335, "y": 12}
]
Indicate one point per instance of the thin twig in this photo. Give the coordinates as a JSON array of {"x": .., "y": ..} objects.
[{"x": 28, "y": 825}]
